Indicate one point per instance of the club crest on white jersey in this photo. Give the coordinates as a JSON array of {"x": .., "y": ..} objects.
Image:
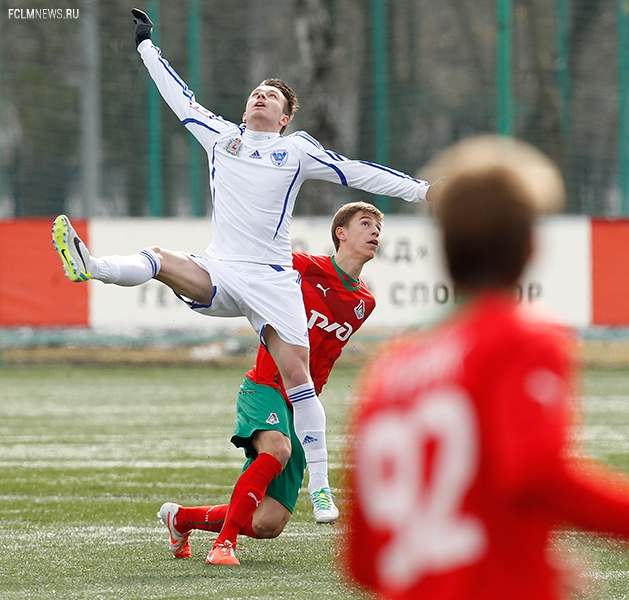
[
  {"x": 234, "y": 147},
  {"x": 279, "y": 157}
]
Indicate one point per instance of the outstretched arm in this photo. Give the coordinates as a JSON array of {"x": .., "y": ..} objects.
[
  {"x": 591, "y": 496},
  {"x": 202, "y": 123},
  {"x": 363, "y": 175}
]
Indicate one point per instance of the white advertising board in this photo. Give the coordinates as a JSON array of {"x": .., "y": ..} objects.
[
  {"x": 407, "y": 276},
  {"x": 560, "y": 274},
  {"x": 151, "y": 306},
  {"x": 411, "y": 284}
]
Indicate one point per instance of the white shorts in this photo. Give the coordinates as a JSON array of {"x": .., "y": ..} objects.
[{"x": 265, "y": 294}]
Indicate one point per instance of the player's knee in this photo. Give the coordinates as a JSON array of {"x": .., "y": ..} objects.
[
  {"x": 267, "y": 528},
  {"x": 294, "y": 374},
  {"x": 294, "y": 370},
  {"x": 274, "y": 443},
  {"x": 157, "y": 251},
  {"x": 283, "y": 451}
]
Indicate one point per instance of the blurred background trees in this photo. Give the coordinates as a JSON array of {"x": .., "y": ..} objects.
[{"x": 382, "y": 81}]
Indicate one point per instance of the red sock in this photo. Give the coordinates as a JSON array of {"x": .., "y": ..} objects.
[
  {"x": 247, "y": 495},
  {"x": 194, "y": 517},
  {"x": 207, "y": 518},
  {"x": 247, "y": 529}
]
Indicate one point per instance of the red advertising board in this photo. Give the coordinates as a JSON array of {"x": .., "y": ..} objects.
[{"x": 33, "y": 288}]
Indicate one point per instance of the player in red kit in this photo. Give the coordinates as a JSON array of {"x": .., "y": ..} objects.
[
  {"x": 463, "y": 462},
  {"x": 337, "y": 303}
]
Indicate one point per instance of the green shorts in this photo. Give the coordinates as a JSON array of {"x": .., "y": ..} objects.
[{"x": 263, "y": 408}]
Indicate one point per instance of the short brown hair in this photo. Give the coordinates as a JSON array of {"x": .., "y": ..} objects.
[
  {"x": 487, "y": 217},
  {"x": 346, "y": 213},
  {"x": 292, "y": 104}
]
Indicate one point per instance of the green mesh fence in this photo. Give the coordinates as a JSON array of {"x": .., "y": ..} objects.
[{"x": 393, "y": 81}]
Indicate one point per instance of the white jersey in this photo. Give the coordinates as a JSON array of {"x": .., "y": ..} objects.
[{"x": 255, "y": 176}]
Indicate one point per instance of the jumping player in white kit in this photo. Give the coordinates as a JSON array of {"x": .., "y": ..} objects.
[{"x": 255, "y": 175}]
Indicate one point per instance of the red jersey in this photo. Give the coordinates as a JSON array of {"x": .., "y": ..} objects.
[
  {"x": 336, "y": 306},
  {"x": 462, "y": 464}
]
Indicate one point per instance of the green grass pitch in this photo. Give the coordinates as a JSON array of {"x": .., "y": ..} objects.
[{"x": 87, "y": 456}]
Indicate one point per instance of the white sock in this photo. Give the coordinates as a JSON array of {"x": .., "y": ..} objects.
[
  {"x": 130, "y": 270},
  {"x": 309, "y": 418},
  {"x": 318, "y": 476}
]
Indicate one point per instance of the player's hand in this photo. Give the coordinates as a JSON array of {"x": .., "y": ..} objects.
[
  {"x": 143, "y": 25},
  {"x": 435, "y": 189}
]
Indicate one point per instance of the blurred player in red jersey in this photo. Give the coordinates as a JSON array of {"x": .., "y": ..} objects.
[
  {"x": 463, "y": 462},
  {"x": 337, "y": 303}
]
